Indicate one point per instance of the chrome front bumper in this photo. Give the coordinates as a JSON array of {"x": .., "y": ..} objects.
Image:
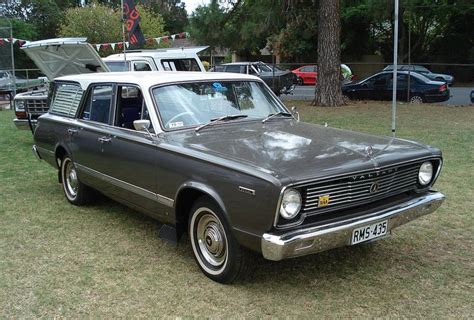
[
  {"x": 22, "y": 124},
  {"x": 338, "y": 234}
]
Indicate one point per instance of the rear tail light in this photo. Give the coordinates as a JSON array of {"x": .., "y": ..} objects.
[{"x": 442, "y": 88}]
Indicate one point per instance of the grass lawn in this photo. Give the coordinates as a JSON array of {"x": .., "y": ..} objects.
[{"x": 105, "y": 260}]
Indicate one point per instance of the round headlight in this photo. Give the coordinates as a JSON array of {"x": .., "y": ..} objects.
[
  {"x": 20, "y": 105},
  {"x": 426, "y": 173},
  {"x": 290, "y": 204}
]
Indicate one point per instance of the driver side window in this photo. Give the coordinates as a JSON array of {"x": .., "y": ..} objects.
[{"x": 130, "y": 107}]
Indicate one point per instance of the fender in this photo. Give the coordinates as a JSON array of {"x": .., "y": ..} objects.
[{"x": 204, "y": 188}]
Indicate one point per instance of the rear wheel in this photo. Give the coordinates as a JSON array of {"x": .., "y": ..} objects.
[
  {"x": 416, "y": 99},
  {"x": 215, "y": 249},
  {"x": 75, "y": 191}
]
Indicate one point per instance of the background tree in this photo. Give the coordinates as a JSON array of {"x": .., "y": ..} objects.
[
  {"x": 102, "y": 24},
  {"x": 328, "y": 86}
]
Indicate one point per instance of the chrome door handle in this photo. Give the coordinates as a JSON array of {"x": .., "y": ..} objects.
[
  {"x": 72, "y": 131},
  {"x": 104, "y": 139}
]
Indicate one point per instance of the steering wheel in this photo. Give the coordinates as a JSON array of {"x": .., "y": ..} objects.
[{"x": 177, "y": 117}]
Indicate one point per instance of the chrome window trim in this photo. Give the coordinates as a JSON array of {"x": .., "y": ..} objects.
[{"x": 127, "y": 186}]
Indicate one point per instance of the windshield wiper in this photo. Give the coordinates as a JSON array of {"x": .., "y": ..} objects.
[
  {"x": 281, "y": 113},
  {"x": 224, "y": 118}
]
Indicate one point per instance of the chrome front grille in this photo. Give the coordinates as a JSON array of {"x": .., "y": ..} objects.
[
  {"x": 359, "y": 189},
  {"x": 36, "y": 106}
]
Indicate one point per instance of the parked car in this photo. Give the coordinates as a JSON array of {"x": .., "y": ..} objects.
[
  {"x": 281, "y": 82},
  {"x": 166, "y": 59},
  {"x": 379, "y": 87},
  {"x": 65, "y": 56},
  {"x": 219, "y": 156},
  {"x": 424, "y": 71},
  {"x": 309, "y": 74}
]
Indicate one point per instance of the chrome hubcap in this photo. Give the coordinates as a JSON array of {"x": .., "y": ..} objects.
[
  {"x": 71, "y": 179},
  {"x": 211, "y": 240},
  {"x": 416, "y": 99}
]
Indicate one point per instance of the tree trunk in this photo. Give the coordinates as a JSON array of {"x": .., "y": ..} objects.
[{"x": 328, "y": 85}]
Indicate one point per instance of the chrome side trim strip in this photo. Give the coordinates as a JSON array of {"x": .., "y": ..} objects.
[{"x": 127, "y": 186}]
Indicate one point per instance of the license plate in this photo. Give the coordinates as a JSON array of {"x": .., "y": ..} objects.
[{"x": 369, "y": 232}]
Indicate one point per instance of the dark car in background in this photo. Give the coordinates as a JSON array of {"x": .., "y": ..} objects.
[
  {"x": 379, "y": 87},
  {"x": 424, "y": 71},
  {"x": 280, "y": 81}
]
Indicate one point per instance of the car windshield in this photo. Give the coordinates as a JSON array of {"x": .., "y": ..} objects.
[{"x": 193, "y": 104}]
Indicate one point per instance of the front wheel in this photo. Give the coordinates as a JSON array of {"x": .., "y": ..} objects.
[
  {"x": 215, "y": 249},
  {"x": 75, "y": 191},
  {"x": 299, "y": 81}
]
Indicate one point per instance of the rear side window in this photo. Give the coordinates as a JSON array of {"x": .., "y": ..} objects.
[
  {"x": 98, "y": 104},
  {"x": 142, "y": 66},
  {"x": 180, "y": 65},
  {"x": 66, "y": 100},
  {"x": 235, "y": 69}
]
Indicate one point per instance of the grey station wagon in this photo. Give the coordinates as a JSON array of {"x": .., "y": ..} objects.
[{"x": 219, "y": 156}]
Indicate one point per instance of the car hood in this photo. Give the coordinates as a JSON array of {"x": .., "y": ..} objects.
[
  {"x": 64, "y": 56},
  {"x": 295, "y": 151}
]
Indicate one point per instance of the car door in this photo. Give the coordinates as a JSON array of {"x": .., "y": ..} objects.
[
  {"x": 91, "y": 134},
  {"x": 380, "y": 91},
  {"x": 129, "y": 156},
  {"x": 402, "y": 86}
]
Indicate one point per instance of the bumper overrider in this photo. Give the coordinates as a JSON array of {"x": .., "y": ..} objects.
[{"x": 338, "y": 234}]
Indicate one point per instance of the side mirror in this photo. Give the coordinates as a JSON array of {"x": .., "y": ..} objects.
[
  {"x": 295, "y": 112},
  {"x": 142, "y": 125}
]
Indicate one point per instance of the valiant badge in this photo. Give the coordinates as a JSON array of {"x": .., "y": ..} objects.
[{"x": 369, "y": 151}]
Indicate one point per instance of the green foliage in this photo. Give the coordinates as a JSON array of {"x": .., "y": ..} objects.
[{"x": 101, "y": 23}]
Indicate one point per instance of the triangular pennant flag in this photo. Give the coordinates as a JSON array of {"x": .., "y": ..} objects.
[
  {"x": 1, "y": 41},
  {"x": 120, "y": 45},
  {"x": 181, "y": 35},
  {"x": 173, "y": 36},
  {"x": 165, "y": 39},
  {"x": 158, "y": 40},
  {"x": 6, "y": 40},
  {"x": 127, "y": 44},
  {"x": 21, "y": 43},
  {"x": 14, "y": 40},
  {"x": 187, "y": 34},
  {"x": 149, "y": 40},
  {"x": 97, "y": 46},
  {"x": 113, "y": 46}
]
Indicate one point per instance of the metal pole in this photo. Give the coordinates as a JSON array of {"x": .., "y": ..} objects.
[
  {"x": 395, "y": 67},
  {"x": 409, "y": 54},
  {"x": 13, "y": 58},
  {"x": 123, "y": 40}
]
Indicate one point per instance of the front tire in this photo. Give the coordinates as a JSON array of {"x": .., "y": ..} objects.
[
  {"x": 216, "y": 251},
  {"x": 75, "y": 191}
]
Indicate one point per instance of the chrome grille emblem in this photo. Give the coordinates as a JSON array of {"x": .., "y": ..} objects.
[
  {"x": 369, "y": 151},
  {"x": 374, "y": 187}
]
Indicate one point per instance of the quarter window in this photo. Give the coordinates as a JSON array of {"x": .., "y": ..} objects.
[
  {"x": 98, "y": 105},
  {"x": 180, "y": 65},
  {"x": 66, "y": 100}
]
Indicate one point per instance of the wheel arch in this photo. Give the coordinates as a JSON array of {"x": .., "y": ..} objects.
[{"x": 187, "y": 195}]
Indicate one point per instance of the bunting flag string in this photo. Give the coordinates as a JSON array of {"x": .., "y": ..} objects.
[
  {"x": 158, "y": 40},
  {"x": 20, "y": 42},
  {"x": 103, "y": 46}
]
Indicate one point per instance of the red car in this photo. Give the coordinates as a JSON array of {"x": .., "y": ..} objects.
[{"x": 306, "y": 74}]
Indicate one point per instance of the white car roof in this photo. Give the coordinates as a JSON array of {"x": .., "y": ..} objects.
[
  {"x": 146, "y": 79},
  {"x": 172, "y": 53}
]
